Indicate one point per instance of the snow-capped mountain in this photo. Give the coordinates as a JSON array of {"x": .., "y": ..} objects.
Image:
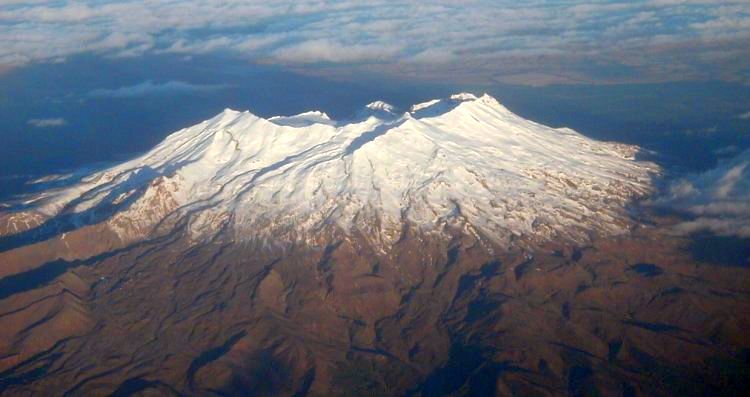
[{"x": 461, "y": 163}]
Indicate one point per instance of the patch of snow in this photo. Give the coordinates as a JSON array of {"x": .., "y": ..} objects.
[
  {"x": 464, "y": 96},
  {"x": 303, "y": 119},
  {"x": 382, "y": 106}
]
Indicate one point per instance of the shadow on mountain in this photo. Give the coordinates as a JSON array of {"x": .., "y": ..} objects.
[
  {"x": 135, "y": 186},
  {"x": 210, "y": 356},
  {"x": 647, "y": 270},
  {"x": 436, "y": 109},
  {"x": 720, "y": 250},
  {"x": 725, "y": 376},
  {"x": 259, "y": 374},
  {"x": 20, "y": 200},
  {"x": 48, "y": 272},
  {"x": 139, "y": 386},
  {"x": 32, "y": 279},
  {"x": 653, "y": 327},
  {"x": 369, "y": 136},
  {"x": 9, "y": 378},
  {"x": 467, "y": 372}
]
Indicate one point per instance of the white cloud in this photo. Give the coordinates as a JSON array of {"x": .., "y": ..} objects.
[
  {"x": 46, "y": 123},
  {"x": 717, "y": 200},
  {"x": 657, "y": 39},
  {"x": 147, "y": 88},
  {"x": 433, "y": 55},
  {"x": 328, "y": 51},
  {"x": 744, "y": 116}
]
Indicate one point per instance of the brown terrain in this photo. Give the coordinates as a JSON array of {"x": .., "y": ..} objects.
[{"x": 632, "y": 315}]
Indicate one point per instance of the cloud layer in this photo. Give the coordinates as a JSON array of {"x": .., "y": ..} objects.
[
  {"x": 46, "y": 123},
  {"x": 148, "y": 88},
  {"x": 718, "y": 200},
  {"x": 480, "y": 39}
]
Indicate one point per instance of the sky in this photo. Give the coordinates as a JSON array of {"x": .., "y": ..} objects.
[
  {"x": 529, "y": 42},
  {"x": 86, "y": 83}
]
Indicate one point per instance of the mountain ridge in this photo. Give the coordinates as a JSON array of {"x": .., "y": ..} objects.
[{"x": 462, "y": 162}]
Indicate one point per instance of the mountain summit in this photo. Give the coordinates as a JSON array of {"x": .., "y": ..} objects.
[{"x": 462, "y": 163}]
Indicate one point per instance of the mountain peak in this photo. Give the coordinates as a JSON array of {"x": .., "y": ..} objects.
[
  {"x": 380, "y": 105},
  {"x": 463, "y": 163},
  {"x": 305, "y": 119},
  {"x": 463, "y": 96},
  {"x": 440, "y": 107},
  {"x": 378, "y": 109}
]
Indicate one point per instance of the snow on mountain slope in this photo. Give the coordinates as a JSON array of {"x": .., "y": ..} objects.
[{"x": 462, "y": 162}]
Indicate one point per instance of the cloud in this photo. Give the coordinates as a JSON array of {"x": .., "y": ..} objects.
[
  {"x": 47, "y": 123},
  {"x": 149, "y": 88},
  {"x": 744, "y": 116},
  {"x": 314, "y": 51},
  {"x": 717, "y": 200},
  {"x": 613, "y": 40}
]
